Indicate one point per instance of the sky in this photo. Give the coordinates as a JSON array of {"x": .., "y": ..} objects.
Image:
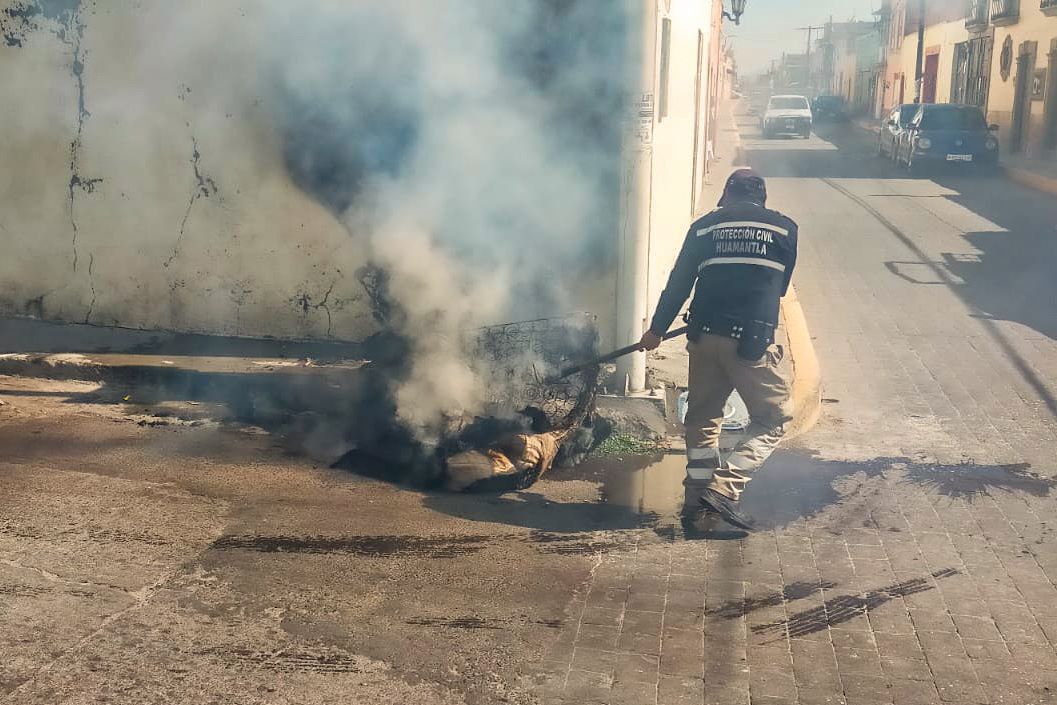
[{"x": 768, "y": 27}]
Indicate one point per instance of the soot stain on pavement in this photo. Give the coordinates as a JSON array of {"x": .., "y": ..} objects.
[
  {"x": 473, "y": 622},
  {"x": 844, "y": 608},
  {"x": 284, "y": 661},
  {"x": 969, "y": 480},
  {"x": 791, "y": 592},
  {"x": 371, "y": 546},
  {"x": 578, "y": 545},
  {"x": 571, "y": 544}
]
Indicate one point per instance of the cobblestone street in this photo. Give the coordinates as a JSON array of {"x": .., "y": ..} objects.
[
  {"x": 905, "y": 555},
  {"x": 910, "y": 556}
]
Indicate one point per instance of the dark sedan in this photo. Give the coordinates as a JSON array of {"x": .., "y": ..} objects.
[
  {"x": 892, "y": 129},
  {"x": 829, "y": 108},
  {"x": 942, "y": 134}
]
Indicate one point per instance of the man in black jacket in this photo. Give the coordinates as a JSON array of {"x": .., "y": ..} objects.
[{"x": 741, "y": 256}]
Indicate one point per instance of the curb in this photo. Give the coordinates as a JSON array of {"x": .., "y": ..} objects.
[
  {"x": 1031, "y": 179},
  {"x": 807, "y": 375}
]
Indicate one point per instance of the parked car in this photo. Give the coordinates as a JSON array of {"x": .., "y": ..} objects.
[
  {"x": 948, "y": 134},
  {"x": 892, "y": 127},
  {"x": 829, "y": 108},
  {"x": 786, "y": 115}
]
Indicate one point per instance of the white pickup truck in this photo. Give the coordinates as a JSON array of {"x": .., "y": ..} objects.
[{"x": 786, "y": 115}]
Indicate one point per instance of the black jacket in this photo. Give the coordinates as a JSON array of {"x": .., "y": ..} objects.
[{"x": 742, "y": 257}]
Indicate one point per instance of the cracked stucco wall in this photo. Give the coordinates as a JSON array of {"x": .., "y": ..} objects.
[{"x": 142, "y": 185}]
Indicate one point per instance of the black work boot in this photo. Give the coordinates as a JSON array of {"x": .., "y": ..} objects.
[{"x": 726, "y": 508}]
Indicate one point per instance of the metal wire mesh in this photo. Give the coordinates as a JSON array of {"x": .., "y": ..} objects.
[{"x": 517, "y": 359}]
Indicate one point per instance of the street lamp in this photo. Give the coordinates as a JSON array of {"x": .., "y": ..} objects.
[{"x": 737, "y": 7}]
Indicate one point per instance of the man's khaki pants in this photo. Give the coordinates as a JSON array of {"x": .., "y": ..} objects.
[{"x": 715, "y": 371}]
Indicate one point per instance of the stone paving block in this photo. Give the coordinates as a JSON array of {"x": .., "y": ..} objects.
[
  {"x": 593, "y": 636},
  {"x": 594, "y": 660},
  {"x": 953, "y": 690},
  {"x": 893, "y": 618},
  {"x": 686, "y": 599},
  {"x": 676, "y": 690},
  {"x": 688, "y": 583},
  {"x": 682, "y": 653},
  {"x": 863, "y": 554},
  {"x": 906, "y": 668},
  {"x": 941, "y": 645},
  {"x": 636, "y": 667},
  {"x": 932, "y": 620},
  {"x": 726, "y": 694},
  {"x": 994, "y": 652},
  {"x": 633, "y": 693},
  {"x": 913, "y": 692},
  {"x": 770, "y": 657},
  {"x": 771, "y": 700},
  {"x": 826, "y": 696},
  {"x": 976, "y": 627},
  {"x": 604, "y": 616},
  {"x": 970, "y": 608},
  {"x": 640, "y": 622},
  {"x": 844, "y": 638},
  {"x": 648, "y": 584},
  {"x": 771, "y": 682},
  {"x": 1039, "y": 656},
  {"x": 1021, "y": 633},
  {"x": 639, "y": 643},
  {"x": 612, "y": 598},
  {"x": 584, "y": 686},
  {"x": 561, "y": 649},
  {"x": 862, "y": 689},
  {"x": 858, "y": 661},
  {"x": 646, "y": 602}
]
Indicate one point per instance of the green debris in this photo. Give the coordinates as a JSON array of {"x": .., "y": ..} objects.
[{"x": 625, "y": 444}]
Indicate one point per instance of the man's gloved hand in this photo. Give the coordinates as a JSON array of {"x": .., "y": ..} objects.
[{"x": 649, "y": 341}]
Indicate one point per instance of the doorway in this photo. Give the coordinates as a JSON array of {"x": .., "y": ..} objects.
[
  {"x": 1049, "y": 139},
  {"x": 1022, "y": 98},
  {"x": 932, "y": 69}
]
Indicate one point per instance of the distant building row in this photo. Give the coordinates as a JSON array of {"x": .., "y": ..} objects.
[{"x": 1000, "y": 55}]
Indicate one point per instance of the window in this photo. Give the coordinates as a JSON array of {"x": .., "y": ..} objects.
[
  {"x": 953, "y": 119},
  {"x": 666, "y": 51},
  {"x": 972, "y": 72},
  {"x": 791, "y": 102},
  {"x": 906, "y": 114}
]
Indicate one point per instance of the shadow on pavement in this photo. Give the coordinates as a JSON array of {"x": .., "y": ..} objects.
[{"x": 1010, "y": 275}]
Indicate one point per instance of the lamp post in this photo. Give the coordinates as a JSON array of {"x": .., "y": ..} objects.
[{"x": 737, "y": 7}]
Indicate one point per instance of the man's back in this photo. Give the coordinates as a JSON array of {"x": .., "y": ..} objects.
[{"x": 744, "y": 256}]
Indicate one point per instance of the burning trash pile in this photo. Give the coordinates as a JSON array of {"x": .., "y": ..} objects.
[
  {"x": 529, "y": 424},
  {"x": 473, "y": 154}
]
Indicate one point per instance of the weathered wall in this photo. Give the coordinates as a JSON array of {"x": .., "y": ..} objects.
[
  {"x": 1033, "y": 26},
  {"x": 145, "y": 178},
  {"x": 143, "y": 186},
  {"x": 940, "y": 38},
  {"x": 674, "y": 178}
]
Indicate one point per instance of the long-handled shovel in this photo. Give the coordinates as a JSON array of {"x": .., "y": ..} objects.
[{"x": 609, "y": 357}]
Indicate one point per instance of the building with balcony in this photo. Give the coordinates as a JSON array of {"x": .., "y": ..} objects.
[
  {"x": 1005, "y": 12},
  {"x": 1022, "y": 95}
]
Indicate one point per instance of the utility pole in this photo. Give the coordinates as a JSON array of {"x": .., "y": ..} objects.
[
  {"x": 919, "y": 74},
  {"x": 807, "y": 55}
]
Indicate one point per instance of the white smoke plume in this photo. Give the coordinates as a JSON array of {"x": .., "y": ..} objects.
[
  {"x": 470, "y": 148},
  {"x": 437, "y": 130}
]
